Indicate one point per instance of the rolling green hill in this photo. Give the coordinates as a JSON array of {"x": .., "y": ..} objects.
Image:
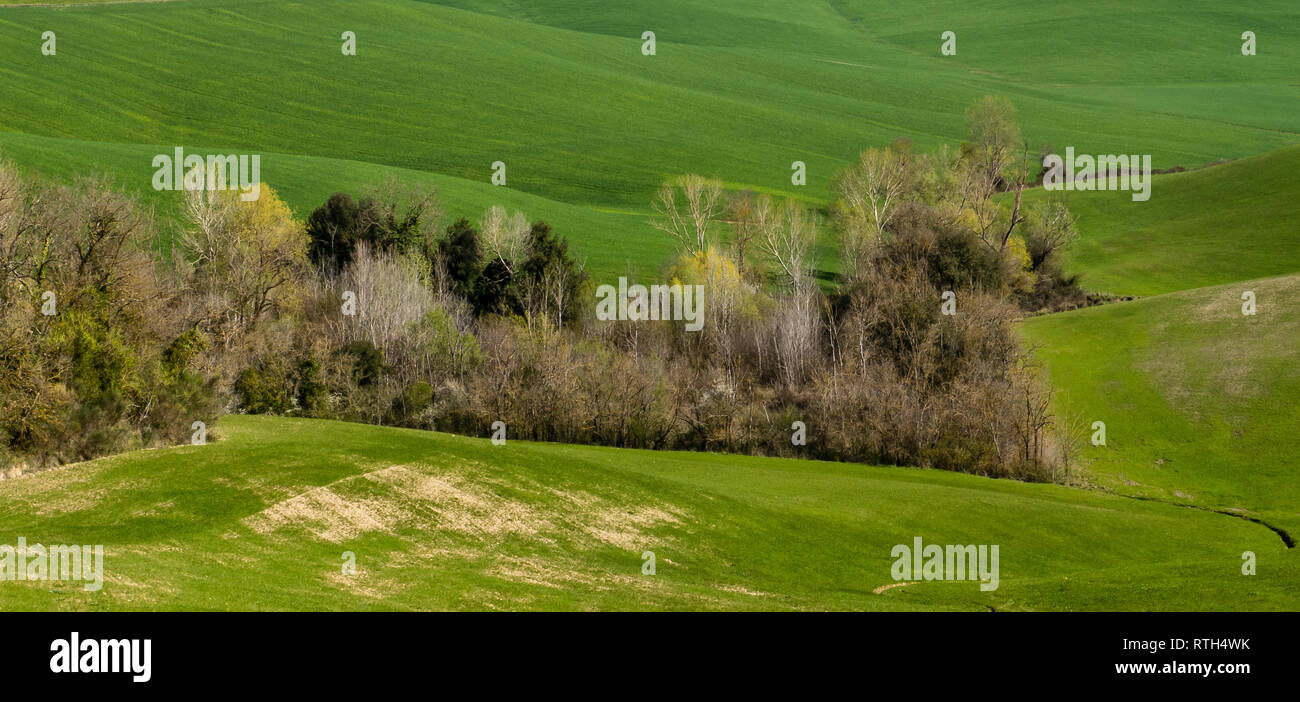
[
  {"x": 261, "y": 520},
  {"x": 561, "y": 93},
  {"x": 1234, "y": 221},
  {"x": 1198, "y": 399},
  {"x": 600, "y": 236}
]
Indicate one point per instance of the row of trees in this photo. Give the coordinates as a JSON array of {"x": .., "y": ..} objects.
[
  {"x": 871, "y": 199},
  {"x": 372, "y": 310}
]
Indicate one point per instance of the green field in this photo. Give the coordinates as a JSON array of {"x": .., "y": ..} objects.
[
  {"x": 1234, "y": 221},
  {"x": 260, "y": 520},
  {"x": 308, "y": 179},
  {"x": 562, "y": 94},
  {"x": 1199, "y": 401}
]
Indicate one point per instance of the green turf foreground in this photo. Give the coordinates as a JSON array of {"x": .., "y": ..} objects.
[{"x": 261, "y": 518}]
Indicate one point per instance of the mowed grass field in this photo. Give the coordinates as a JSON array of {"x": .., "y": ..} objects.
[
  {"x": 261, "y": 518},
  {"x": 562, "y": 94}
]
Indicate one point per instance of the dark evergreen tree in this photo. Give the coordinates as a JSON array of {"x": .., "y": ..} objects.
[
  {"x": 333, "y": 230},
  {"x": 462, "y": 255}
]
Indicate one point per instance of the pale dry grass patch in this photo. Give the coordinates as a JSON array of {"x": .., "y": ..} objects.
[
  {"x": 326, "y": 514},
  {"x": 563, "y": 574},
  {"x": 1232, "y": 351},
  {"x": 442, "y": 511},
  {"x": 461, "y": 505}
]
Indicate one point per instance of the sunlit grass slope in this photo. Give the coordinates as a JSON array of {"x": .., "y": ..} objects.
[
  {"x": 1234, "y": 221},
  {"x": 1199, "y": 400},
  {"x": 261, "y": 519}
]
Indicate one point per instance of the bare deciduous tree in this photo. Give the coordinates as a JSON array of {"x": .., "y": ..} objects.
[
  {"x": 795, "y": 330},
  {"x": 968, "y": 191},
  {"x": 868, "y": 195},
  {"x": 744, "y": 228},
  {"x": 403, "y": 211},
  {"x": 392, "y": 292},
  {"x": 995, "y": 136},
  {"x": 786, "y": 234},
  {"x": 250, "y": 256},
  {"x": 1051, "y": 229},
  {"x": 505, "y": 236},
  {"x": 209, "y": 212},
  {"x": 687, "y": 207}
]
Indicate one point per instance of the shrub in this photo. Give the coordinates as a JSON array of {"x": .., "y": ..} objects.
[
  {"x": 180, "y": 353},
  {"x": 494, "y": 291},
  {"x": 262, "y": 389},
  {"x": 415, "y": 400},
  {"x": 333, "y": 230},
  {"x": 312, "y": 395},
  {"x": 367, "y": 362}
]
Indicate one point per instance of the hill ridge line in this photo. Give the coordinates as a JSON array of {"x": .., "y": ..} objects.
[{"x": 1286, "y": 537}]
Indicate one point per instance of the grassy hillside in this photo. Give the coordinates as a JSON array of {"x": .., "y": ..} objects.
[
  {"x": 261, "y": 518},
  {"x": 562, "y": 94},
  {"x": 598, "y": 236},
  {"x": 1234, "y": 221},
  {"x": 1198, "y": 400}
]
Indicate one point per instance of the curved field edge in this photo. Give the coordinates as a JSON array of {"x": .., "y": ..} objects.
[
  {"x": 1198, "y": 399},
  {"x": 599, "y": 237},
  {"x": 1211, "y": 226},
  {"x": 262, "y": 517},
  {"x": 582, "y": 116}
]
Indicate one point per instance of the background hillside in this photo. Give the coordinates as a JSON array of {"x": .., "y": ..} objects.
[
  {"x": 562, "y": 94},
  {"x": 1234, "y": 221}
]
